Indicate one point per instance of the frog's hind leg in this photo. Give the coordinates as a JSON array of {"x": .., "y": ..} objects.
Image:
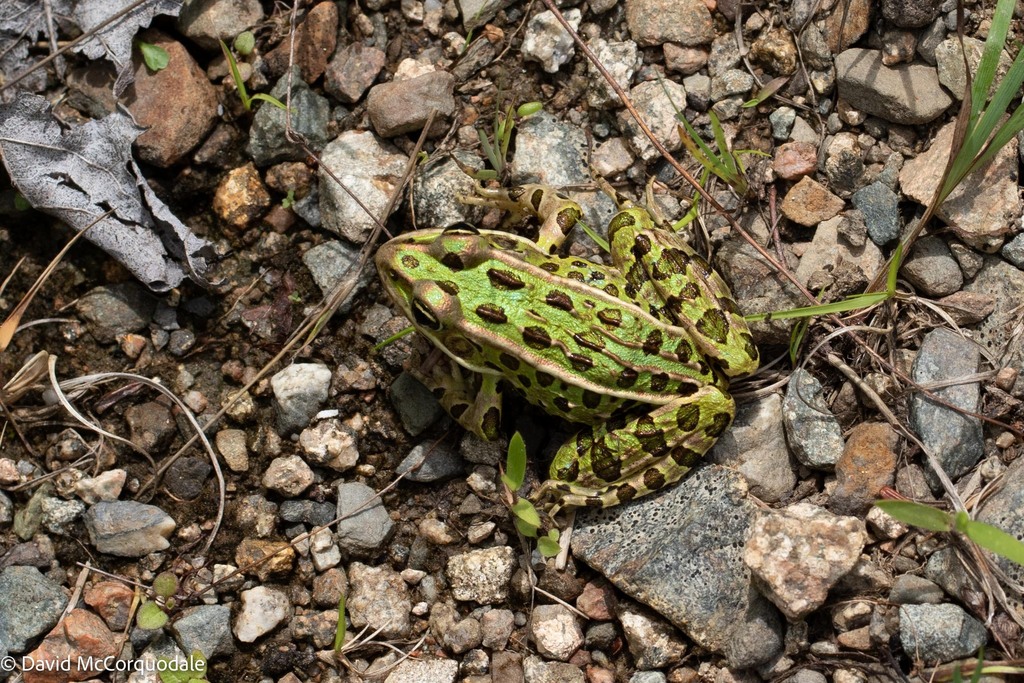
[{"x": 613, "y": 464}]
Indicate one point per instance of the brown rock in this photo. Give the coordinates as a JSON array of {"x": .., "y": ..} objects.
[
  {"x": 776, "y": 51},
  {"x": 866, "y": 465},
  {"x": 315, "y": 40},
  {"x": 241, "y": 197},
  {"x": 846, "y": 24},
  {"x": 72, "y": 642},
  {"x": 597, "y": 601},
  {"x": 685, "y": 60},
  {"x": 402, "y": 107},
  {"x": 809, "y": 203},
  {"x": 178, "y": 104},
  {"x": 253, "y": 550},
  {"x": 113, "y": 600},
  {"x": 795, "y": 159},
  {"x": 353, "y": 69},
  {"x": 983, "y": 207},
  {"x": 653, "y": 22}
]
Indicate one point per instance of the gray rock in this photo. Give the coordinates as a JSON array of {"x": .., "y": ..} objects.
[
  {"x": 288, "y": 476},
  {"x": 647, "y": 677},
  {"x": 1003, "y": 510},
  {"x": 555, "y": 632},
  {"x": 1013, "y": 251},
  {"x": 812, "y": 430},
  {"x": 378, "y": 598},
  {"x": 831, "y": 253},
  {"x": 880, "y": 206},
  {"x": 621, "y": 59},
  {"x": 653, "y": 22},
  {"x": 1004, "y": 283},
  {"x": 755, "y": 446},
  {"x": 437, "y": 188},
  {"x": 657, "y": 102},
  {"x": 403, "y": 106},
  {"x": 424, "y": 671},
  {"x": 907, "y": 93},
  {"x": 307, "y": 511},
  {"x": 695, "y": 529},
  {"x": 931, "y": 267},
  {"x": 330, "y": 263},
  {"x": 798, "y": 555},
  {"x": 911, "y": 13},
  {"x": 57, "y": 513},
  {"x": 654, "y": 643},
  {"x": 496, "y": 627},
  {"x": 299, "y": 391},
  {"x": 6, "y": 509},
  {"x": 479, "y": 12},
  {"x": 731, "y": 82},
  {"x": 430, "y": 461},
  {"x": 370, "y": 168},
  {"x": 206, "y": 22},
  {"x": 547, "y": 42},
  {"x": 365, "y": 531},
  {"x": 915, "y": 590},
  {"x": 206, "y": 628},
  {"x": 482, "y": 575},
  {"x": 116, "y": 309},
  {"x": 263, "y": 609},
  {"x": 550, "y": 151},
  {"x": 782, "y": 120},
  {"x": 940, "y": 633},
  {"x": 949, "y": 62},
  {"x": 844, "y": 162},
  {"x": 186, "y": 477},
  {"x": 30, "y": 605},
  {"x": 456, "y": 634},
  {"x": 536, "y": 670},
  {"x": 309, "y": 117},
  {"x": 698, "y": 91},
  {"x": 231, "y": 445},
  {"x": 955, "y": 439},
  {"x": 416, "y": 406},
  {"x": 128, "y": 529},
  {"x": 928, "y": 40}
]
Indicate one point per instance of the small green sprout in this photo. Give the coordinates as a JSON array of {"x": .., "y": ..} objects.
[
  {"x": 154, "y": 56},
  {"x": 152, "y": 614},
  {"x": 243, "y": 94},
  {"x": 244, "y": 43},
  {"x": 524, "y": 514},
  {"x": 497, "y": 151}
]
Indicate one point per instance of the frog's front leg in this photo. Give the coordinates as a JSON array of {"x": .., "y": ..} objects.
[
  {"x": 557, "y": 213},
  {"x": 615, "y": 463},
  {"x": 472, "y": 399}
]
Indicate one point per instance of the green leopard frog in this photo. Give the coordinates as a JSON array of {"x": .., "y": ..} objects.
[{"x": 641, "y": 351}]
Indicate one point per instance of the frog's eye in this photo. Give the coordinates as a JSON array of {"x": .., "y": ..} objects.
[
  {"x": 461, "y": 229},
  {"x": 422, "y": 315}
]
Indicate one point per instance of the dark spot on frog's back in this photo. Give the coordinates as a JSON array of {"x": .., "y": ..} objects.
[
  {"x": 641, "y": 246},
  {"x": 627, "y": 378},
  {"x": 567, "y": 218},
  {"x": 579, "y": 362},
  {"x": 558, "y": 300},
  {"x": 591, "y": 399},
  {"x": 652, "y": 345},
  {"x": 492, "y": 313},
  {"x": 544, "y": 379},
  {"x": 684, "y": 457},
  {"x": 610, "y": 316},
  {"x": 625, "y": 493},
  {"x": 536, "y": 198},
  {"x": 562, "y": 403},
  {"x": 504, "y": 279},
  {"x": 688, "y": 417},
  {"x": 653, "y": 479},
  {"x": 714, "y": 325},
  {"x": 505, "y": 243},
  {"x": 611, "y": 290},
  {"x": 549, "y": 266},
  {"x": 719, "y": 423},
  {"x": 536, "y": 338},
  {"x": 620, "y": 220},
  {"x": 410, "y": 261},
  {"x": 509, "y": 361},
  {"x": 659, "y": 382}
]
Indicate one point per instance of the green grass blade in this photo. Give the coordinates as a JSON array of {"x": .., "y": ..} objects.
[
  {"x": 592, "y": 234},
  {"x": 894, "y": 269},
  {"x": 263, "y": 97},
  {"x": 994, "y": 539},
  {"x": 852, "y": 303},
  {"x": 236, "y": 76},
  {"x": 339, "y": 630},
  {"x": 916, "y": 514}
]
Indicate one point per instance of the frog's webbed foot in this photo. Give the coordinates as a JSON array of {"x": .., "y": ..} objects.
[{"x": 472, "y": 399}]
